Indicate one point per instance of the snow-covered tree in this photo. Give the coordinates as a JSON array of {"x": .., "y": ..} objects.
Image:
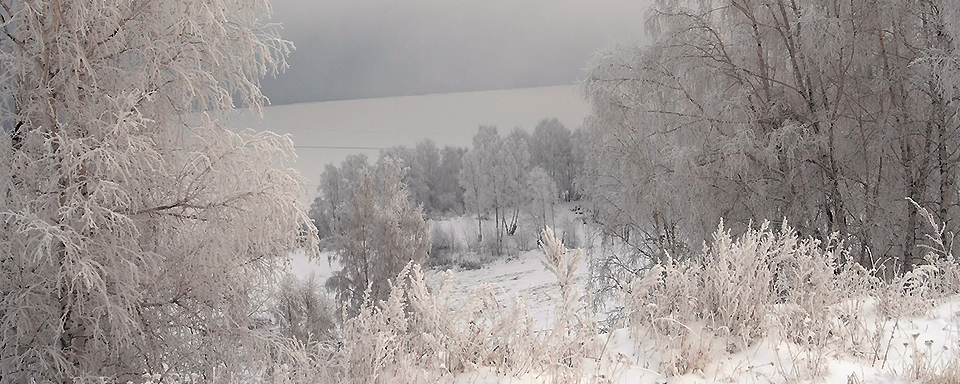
[
  {"x": 426, "y": 162},
  {"x": 322, "y": 209},
  {"x": 432, "y": 175},
  {"x": 493, "y": 179},
  {"x": 552, "y": 148},
  {"x": 331, "y": 193},
  {"x": 512, "y": 162},
  {"x": 449, "y": 192},
  {"x": 303, "y": 312},
  {"x": 827, "y": 114},
  {"x": 475, "y": 177},
  {"x": 379, "y": 230},
  {"x": 137, "y": 234},
  {"x": 540, "y": 195}
]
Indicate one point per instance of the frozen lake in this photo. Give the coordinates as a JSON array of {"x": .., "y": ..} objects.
[{"x": 327, "y": 132}]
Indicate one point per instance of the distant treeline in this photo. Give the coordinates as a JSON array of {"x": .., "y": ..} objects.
[{"x": 501, "y": 176}]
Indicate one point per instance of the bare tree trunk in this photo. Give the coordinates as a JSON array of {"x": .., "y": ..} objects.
[
  {"x": 910, "y": 241},
  {"x": 479, "y": 226}
]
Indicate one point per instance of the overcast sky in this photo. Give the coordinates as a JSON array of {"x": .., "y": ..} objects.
[{"x": 350, "y": 49}]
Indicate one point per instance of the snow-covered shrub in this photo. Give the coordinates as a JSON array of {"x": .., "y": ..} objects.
[
  {"x": 569, "y": 235},
  {"x": 485, "y": 244},
  {"x": 723, "y": 298},
  {"x": 612, "y": 268},
  {"x": 527, "y": 235},
  {"x": 303, "y": 312},
  {"x": 626, "y": 253},
  {"x": 660, "y": 305},
  {"x": 418, "y": 335},
  {"x": 574, "y": 333},
  {"x": 444, "y": 246}
]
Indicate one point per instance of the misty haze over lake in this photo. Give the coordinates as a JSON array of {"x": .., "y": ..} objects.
[{"x": 327, "y": 132}]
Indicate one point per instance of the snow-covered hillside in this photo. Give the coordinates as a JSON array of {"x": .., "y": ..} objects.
[
  {"x": 881, "y": 337},
  {"x": 911, "y": 343}
]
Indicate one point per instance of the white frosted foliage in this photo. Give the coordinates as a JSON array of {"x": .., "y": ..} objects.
[{"x": 138, "y": 236}]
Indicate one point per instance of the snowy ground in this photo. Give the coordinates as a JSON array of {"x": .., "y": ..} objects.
[
  {"x": 902, "y": 345},
  {"x": 934, "y": 338},
  {"x": 524, "y": 276}
]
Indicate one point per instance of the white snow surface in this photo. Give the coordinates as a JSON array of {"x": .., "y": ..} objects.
[
  {"x": 932, "y": 338},
  {"x": 523, "y": 276}
]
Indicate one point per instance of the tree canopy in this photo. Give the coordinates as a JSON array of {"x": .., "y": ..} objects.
[
  {"x": 826, "y": 114},
  {"x": 139, "y": 236}
]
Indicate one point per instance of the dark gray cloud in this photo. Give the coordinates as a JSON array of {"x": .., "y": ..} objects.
[{"x": 349, "y": 49}]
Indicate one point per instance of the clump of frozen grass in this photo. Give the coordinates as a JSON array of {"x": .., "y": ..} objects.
[
  {"x": 944, "y": 278},
  {"x": 292, "y": 363},
  {"x": 417, "y": 335},
  {"x": 444, "y": 246},
  {"x": 302, "y": 311},
  {"x": 723, "y": 299},
  {"x": 574, "y": 334},
  {"x": 911, "y": 294},
  {"x": 919, "y": 290},
  {"x": 948, "y": 373},
  {"x": 931, "y": 365}
]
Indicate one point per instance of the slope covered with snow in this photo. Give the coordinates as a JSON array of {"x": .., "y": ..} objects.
[{"x": 885, "y": 335}]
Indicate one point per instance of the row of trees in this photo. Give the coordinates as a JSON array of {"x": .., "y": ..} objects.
[
  {"x": 498, "y": 176},
  {"x": 373, "y": 216},
  {"x": 432, "y": 175},
  {"x": 505, "y": 176},
  {"x": 429, "y": 178},
  {"x": 492, "y": 178},
  {"x": 828, "y": 114}
]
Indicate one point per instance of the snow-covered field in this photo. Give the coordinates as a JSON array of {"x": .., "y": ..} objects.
[
  {"x": 523, "y": 276},
  {"x": 911, "y": 345},
  {"x": 932, "y": 338}
]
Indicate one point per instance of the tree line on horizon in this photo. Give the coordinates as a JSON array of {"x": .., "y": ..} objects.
[{"x": 499, "y": 177}]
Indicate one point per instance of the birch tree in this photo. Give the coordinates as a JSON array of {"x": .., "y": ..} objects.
[
  {"x": 379, "y": 230},
  {"x": 493, "y": 179},
  {"x": 828, "y": 114},
  {"x": 552, "y": 148},
  {"x": 449, "y": 192},
  {"x": 331, "y": 193},
  {"x": 475, "y": 178},
  {"x": 138, "y": 236},
  {"x": 513, "y": 164},
  {"x": 540, "y": 194}
]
